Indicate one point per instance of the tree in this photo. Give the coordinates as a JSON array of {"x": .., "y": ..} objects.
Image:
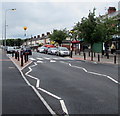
[
  {"x": 13, "y": 42},
  {"x": 95, "y": 30},
  {"x": 58, "y": 36},
  {"x": 87, "y": 27}
]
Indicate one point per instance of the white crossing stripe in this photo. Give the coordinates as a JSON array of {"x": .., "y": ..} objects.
[
  {"x": 46, "y": 58},
  {"x": 55, "y": 58},
  {"x": 40, "y": 58},
  {"x": 52, "y": 61},
  {"x": 32, "y": 59},
  {"x": 39, "y": 61},
  {"x": 59, "y": 58}
]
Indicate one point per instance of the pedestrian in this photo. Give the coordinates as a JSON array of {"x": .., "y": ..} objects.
[{"x": 113, "y": 48}]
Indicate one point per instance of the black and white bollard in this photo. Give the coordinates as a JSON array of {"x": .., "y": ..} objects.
[
  {"x": 84, "y": 56},
  {"x": 114, "y": 59},
  {"x": 71, "y": 54},
  {"x": 21, "y": 59},
  {"x": 98, "y": 57}
]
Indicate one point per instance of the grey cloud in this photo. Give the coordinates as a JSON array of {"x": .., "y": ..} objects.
[{"x": 41, "y": 17}]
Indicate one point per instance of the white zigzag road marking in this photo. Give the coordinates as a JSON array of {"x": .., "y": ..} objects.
[
  {"x": 37, "y": 86},
  {"x": 35, "y": 90},
  {"x": 115, "y": 81}
]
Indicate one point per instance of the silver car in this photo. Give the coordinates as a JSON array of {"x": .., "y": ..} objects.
[
  {"x": 52, "y": 50},
  {"x": 63, "y": 51},
  {"x": 42, "y": 49}
]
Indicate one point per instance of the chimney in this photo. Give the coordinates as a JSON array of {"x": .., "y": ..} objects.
[
  {"x": 42, "y": 35},
  {"x": 48, "y": 33},
  {"x": 38, "y": 36},
  {"x": 111, "y": 10}
]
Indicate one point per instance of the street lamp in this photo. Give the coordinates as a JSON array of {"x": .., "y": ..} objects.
[{"x": 6, "y": 24}]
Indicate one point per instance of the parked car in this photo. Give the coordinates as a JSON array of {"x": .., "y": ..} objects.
[
  {"x": 42, "y": 49},
  {"x": 27, "y": 50},
  {"x": 63, "y": 51},
  {"x": 10, "y": 49},
  {"x": 52, "y": 50}
]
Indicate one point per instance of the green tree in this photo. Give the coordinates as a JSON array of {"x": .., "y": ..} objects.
[
  {"x": 110, "y": 28},
  {"x": 94, "y": 29},
  {"x": 59, "y": 35}
]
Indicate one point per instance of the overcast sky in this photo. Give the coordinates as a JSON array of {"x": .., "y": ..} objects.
[{"x": 44, "y": 16}]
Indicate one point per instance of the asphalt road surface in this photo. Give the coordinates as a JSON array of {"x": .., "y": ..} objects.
[
  {"x": 74, "y": 87},
  {"x": 18, "y": 99},
  {"x": 60, "y": 86}
]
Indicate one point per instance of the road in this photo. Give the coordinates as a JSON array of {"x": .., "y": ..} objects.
[
  {"x": 73, "y": 86},
  {"x": 18, "y": 98}
]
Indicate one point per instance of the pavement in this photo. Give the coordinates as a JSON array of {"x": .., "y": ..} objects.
[
  {"x": 18, "y": 98},
  {"x": 0, "y": 83},
  {"x": 103, "y": 58}
]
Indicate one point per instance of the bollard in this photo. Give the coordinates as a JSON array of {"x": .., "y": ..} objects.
[
  {"x": 107, "y": 54},
  {"x": 71, "y": 54},
  {"x": 22, "y": 60},
  {"x": 84, "y": 56},
  {"x": 75, "y": 52},
  {"x": 25, "y": 57},
  {"x": 15, "y": 55},
  {"x": 91, "y": 56},
  {"x": 89, "y": 53},
  {"x": 21, "y": 53},
  {"x": 12, "y": 54},
  {"x": 79, "y": 52},
  {"x": 18, "y": 56},
  {"x": 98, "y": 58},
  {"x": 114, "y": 59}
]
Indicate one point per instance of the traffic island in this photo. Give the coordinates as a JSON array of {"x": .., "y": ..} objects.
[{"x": 21, "y": 61}]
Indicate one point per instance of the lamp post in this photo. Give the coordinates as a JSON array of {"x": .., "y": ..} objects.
[{"x": 6, "y": 23}]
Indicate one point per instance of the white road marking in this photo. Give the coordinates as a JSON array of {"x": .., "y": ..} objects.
[
  {"x": 55, "y": 58},
  {"x": 44, "y": 102},
  {"x": 32, "y": 59},
  {"x": 46, "y": 58},
  {"x": 26, "y": 65},
  {"x": 37, "y": 86},
  {"x": 63, "y": 106},
  {"x": 112, "y": 79},
  {"x": 40, "y": 58},
  {"x": 35, "y": 90},
  {"x": 52, "y": 61},
  {"x": 40, "y": 62},
  {"x": 43, "y": 90},
  {"x": 11, "y": 67},
  {"x": 62, "y": 58}
]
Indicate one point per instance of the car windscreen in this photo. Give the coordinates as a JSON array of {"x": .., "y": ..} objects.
[
  {"x": 43, "y": 47},
  {"x": 53, "y": 48},
  {"x": 64, "y": 49}
]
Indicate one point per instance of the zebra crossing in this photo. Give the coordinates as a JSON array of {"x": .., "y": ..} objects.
[{"x": 54, "y": 59}]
